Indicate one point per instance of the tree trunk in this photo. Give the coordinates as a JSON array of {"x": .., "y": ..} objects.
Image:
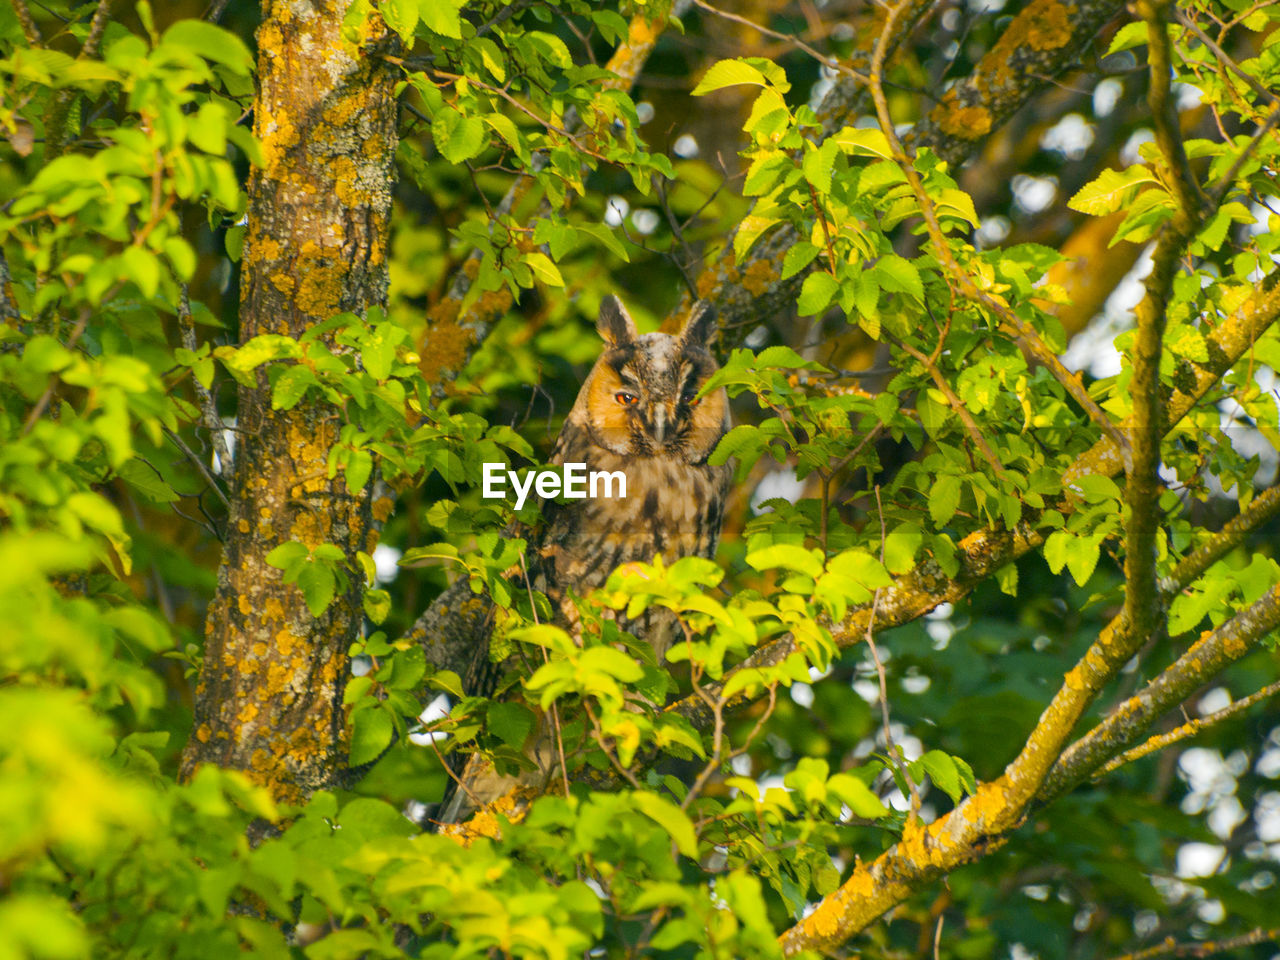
[{"x": 269, "y": 698}]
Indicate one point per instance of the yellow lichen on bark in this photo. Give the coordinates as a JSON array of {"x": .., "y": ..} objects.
[
  {"x": 760, "y": 276},
  {"x": 970, "y": 122},
  {"x": 269, "y": 698}
]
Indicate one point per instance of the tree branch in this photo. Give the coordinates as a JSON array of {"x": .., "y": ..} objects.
[
  {"x": 1189, "y": 729},
  {"x": 453, "y": 334},
  {"x": 1205, "y": 948},
  {"x": 981, "y": 821},
  {"x": 1205, "y": 659}
]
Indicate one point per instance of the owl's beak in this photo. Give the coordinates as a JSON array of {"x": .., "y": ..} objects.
[{"x": 659, "y": 426}]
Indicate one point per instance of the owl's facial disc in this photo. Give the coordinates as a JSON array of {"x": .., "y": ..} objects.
[{"x": 642, "y": 396}]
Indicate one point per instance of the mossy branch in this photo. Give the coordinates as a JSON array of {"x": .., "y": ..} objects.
[
  {"x": 1206, "y": 658},
  {"x": 1188, "y": 729}
]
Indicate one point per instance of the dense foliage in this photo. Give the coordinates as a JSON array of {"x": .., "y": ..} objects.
[{"x": 1003, "y": 361}]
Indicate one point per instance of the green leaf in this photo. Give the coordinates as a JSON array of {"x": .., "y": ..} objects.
[
  {"x": 816, "y": 294},
  {"x": 944, "y": 773},
  {"x": 797, "y": 257},
  {"x": 862, "y": 142},
  {"x": 855, "y": 794},
  {"x": 728, "y": 73},
  {"x": 378, "y": 350},
  {"x": 786, "y": 556},
  {"x": 448, "y": 681},
  {"x": 401, "y": 16},
  {"x": 142, "y": 268},
  {"x": 944, "y": 499},
  {"x": 933, "y": 415},
  {"x": 358, "y": 469},
  {"x": 144, "y": 478},
  {"x": 613, "y": 662},
  {"x": 1129, "y": 36},
  {"x": 290, "y": 387},
  {"x": 287, "y": 554},
  {"x": 371, "y": 732},
  {"x": 1112, "y": 191},
  {"x": 783, "y": 357},
  {"x": 543, "y": 268},
  {"x": 491, "y": 57},
  {"x": 899, "y": 275},
  {"x": 211, "y": 43},
  {"x": 511, "y": 722},
  {"x": 671, "y": 818},
  {"x": 458, "y": 138},
  {"x": 318, "y": 584},
  {"x": 441, "y": 16},
  {"x": 817, "y": 166},
  {"x": 552, "y": 48}
]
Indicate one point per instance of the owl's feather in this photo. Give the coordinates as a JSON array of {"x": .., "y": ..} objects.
[{"x": 637, "y": 412}]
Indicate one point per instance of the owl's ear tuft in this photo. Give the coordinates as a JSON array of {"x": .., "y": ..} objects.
[
  {"x": 701, "y": 327},
  {"x": 615, "y": 324}
]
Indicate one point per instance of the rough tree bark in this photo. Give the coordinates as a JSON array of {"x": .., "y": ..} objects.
[{"x": 269, "y": 698}]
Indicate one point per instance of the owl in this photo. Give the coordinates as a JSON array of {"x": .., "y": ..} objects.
[{"x": 638, "y": 413}]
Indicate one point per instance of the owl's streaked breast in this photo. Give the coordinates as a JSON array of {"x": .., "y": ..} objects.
[{"x": 640, "y": 412}]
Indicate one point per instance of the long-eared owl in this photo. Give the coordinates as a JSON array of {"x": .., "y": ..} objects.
[{"x": 638, "y": 413}]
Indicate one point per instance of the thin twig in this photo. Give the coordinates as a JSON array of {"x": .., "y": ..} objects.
[
  {"x": 1206, "y": 948},
  {"x": 891, "y": 749},
  {"x": 1027, "y": 338},
  {"x": 208, "y": 408},
  {"x": 1225, "y": 59},
  {"x": 199, "y": 463},
  {"x": 41, "y": 404},
  {"x": 555, "y": 711},
  {"x": 1188, "y": 729},
  {"x": 833, "y": 63},
  {"x": 29, "y": 28}
]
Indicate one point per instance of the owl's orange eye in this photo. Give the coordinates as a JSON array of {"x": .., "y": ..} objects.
[{"x": 626, "y": 399}]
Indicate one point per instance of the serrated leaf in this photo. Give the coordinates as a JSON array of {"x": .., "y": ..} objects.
[
  {"x": 860, "y": 142},
  {"x": 401, "y": 16},
  {"x": 728, "y": 73},
  {"x": 944, "y": 499},
  {"x": 1111, "y": 191},
  {"x": 1129, "y": 36},
  {"x": 749, "y": 231},
  {"x": 797, "y": 257},
  {"x": 458, "y": 138},
  {"x": 371, "y": 732},
  {"x": 898, "y": 275},
  {"x": 817, "y": 166},
  {"x": 511, "y": 722},
  {"x": 441, "y": 16},
  {"x": 1082, "y": 557},
  {"x": 816, "y": 293}
]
